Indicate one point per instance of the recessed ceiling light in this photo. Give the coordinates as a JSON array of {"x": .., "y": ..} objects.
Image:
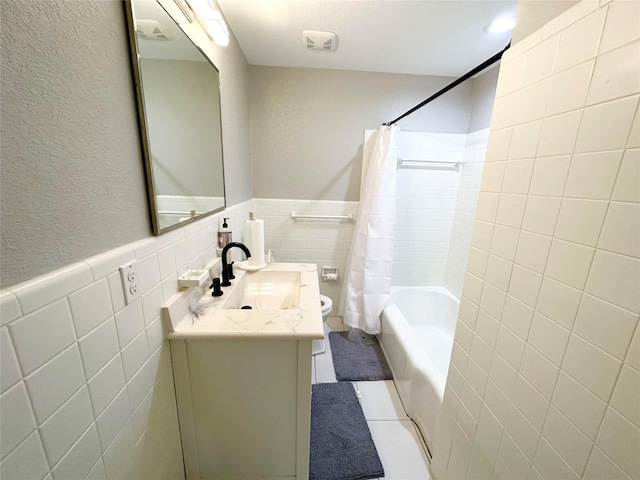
[{"x": 500, "y": 25}]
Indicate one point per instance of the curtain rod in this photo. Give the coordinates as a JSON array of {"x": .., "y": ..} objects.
[{"x": 453, "y": 84}]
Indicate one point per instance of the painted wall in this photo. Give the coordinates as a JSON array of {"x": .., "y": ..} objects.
[
  {"x": 544, "y": 380},
  {"x": 308, "y": 124},
  {"x": 72, "y": 182},
  {"x": 483, "y": 96}
]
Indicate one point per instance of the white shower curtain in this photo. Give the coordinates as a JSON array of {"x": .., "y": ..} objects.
[{"x": 367, "y": 281}]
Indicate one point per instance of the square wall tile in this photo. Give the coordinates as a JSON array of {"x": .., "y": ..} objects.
[
  {"x": 117, "y": 294},
  {"x": 567, "y": 440},
  {"x": 511, "y": 210},
  {"x": 482, "y": 235},
  {"x": 149, "y": 272},
  {"x": 504, "y": 112},
  {"x": 525, "y": 285},
  {"x": 539, "y": 372},
  {"x": 54, "y": 383},
  {"x": 113, "y": 419},
  {"x": 617, "y": 74},
  {"x": 620, "y": 440},
  {"x": 510, "y": 75},
  {"x": 498, "y": 272},
  {"x": 579, "y": 404},
  {"x": 539, "y": 61},
  {"x": 532, "y": 251},
  {"x": 551, "y": 465},
  {"x": 487, "y": 206},
  {"x": 569, "y": 89},
  {"x": 633, "y": 355},
  {"x": 492, "y": 300},
  {"x": 503, "y": 375},
  {"x": 531, "y": 102},
  {"x": 592, "y": 175},
  {"x": 129, "y": 322},
  {"x": 626, "y": 395},
  {"x": 492, "y": 176},
  {"x": 541, "y": 214},
  {"x": 134, "y": 355},
  {"x": 530, "y": 403},
  {"x": 626, "y": 188},
  {"x": 548, "y": 338},
  {"x": 569, "y": 263},
  {"x": 98, "y": 347},
  {"x": 524, "y": 140},
  {"x": 106, "y": 384},
  {"x": 505, "y": 242},
  {"x": 605, "y": 325},
  {"x": 66, "y": 425},
  {"x": 605, "y": 280},
  {"x": 558, "y": 136},
  {"x": 559, "y": 302},
  {"x": 580, "y": 221},
  {"x": 152, "y": 303},
  {"x": 26, "y": 461},
  {"x": 606, "y": 126},
  {"x": 510, "y": 347},
  {"x": 592, "y": 367},
  {"x": 517, "y": 463},
  {"x": 40, "y": 336},
  {"x": 10, "y": 372},
  {"x": 621, "y": 26},
  {"x": 517, "y": 176},
  {"x": 517, "y": 317},
  {"x": 621, "y": 231},
  {"x": 600, "y": 466},
  {"x": 498, "y": 145},
  {"x": 549, "y": 176},
  {"x": 16, "y": 418},
  {"x": 81, "y": 458},
  {"x": 580, "y": 41},
  {"x": 90, "y": 306}
]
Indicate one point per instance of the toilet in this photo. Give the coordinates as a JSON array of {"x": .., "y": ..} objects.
[{"x": 318, "y": 346}]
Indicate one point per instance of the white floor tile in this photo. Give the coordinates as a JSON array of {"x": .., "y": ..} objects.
[
  {"x": 400, "y": 450},
  {"x": 380, "y": 401},
  {"x": 324, "y": 366}
]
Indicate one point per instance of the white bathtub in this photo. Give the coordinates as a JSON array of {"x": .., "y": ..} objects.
[{"x": 418, "y": 325}]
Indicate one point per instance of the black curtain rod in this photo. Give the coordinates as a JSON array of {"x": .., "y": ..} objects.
[{"x": 453, "y": 84}]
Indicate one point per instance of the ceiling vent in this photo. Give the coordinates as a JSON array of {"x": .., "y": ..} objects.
[
  {"x": 325, "y": 41},
  {"x": 151, "y": 30}
]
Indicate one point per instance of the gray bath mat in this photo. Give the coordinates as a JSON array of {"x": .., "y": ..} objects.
[
  {"x": 357, "y": 362},
  {"x": 341, "y": 443}
]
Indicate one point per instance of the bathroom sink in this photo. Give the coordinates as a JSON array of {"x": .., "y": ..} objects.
[
  {"x": 266, "y": 290},
  {"x": 284, "y": 301}
]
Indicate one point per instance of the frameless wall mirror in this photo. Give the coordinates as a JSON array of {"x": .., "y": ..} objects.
[{"x": 178, "y": 91}]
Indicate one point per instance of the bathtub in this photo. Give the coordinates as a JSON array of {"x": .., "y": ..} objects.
[{"x": 418, "y": 325}]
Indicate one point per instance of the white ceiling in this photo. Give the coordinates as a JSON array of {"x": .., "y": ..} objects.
[{"x": 422, "y": 37}]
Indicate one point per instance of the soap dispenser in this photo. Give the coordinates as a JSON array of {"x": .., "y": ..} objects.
[{"x": 224, "y": 234}]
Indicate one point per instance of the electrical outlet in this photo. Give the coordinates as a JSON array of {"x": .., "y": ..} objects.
[{"x": 130, "y": 281}]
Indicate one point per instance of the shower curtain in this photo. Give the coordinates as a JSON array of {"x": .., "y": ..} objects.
[{"x": 368, "y": 277}]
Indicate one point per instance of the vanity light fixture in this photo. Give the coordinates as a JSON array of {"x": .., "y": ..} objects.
[
  {"x": 500, "y": 25},
  {"x": 211, "y": 19}
]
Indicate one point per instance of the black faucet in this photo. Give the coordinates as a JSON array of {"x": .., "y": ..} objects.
[{"x": 225, "y": 266}]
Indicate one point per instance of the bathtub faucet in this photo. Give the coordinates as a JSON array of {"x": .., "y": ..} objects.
[{"x": 225, "y": 265}]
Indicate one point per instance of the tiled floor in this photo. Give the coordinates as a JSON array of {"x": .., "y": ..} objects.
[{"x": 394, "y": 434}]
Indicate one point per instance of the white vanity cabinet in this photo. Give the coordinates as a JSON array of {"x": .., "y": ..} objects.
[
  {"x": 243, "y": 377},
  {"x": 244, "y": 407}
]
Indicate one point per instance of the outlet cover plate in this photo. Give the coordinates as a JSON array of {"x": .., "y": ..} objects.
[{"x": 130, "y": 281}]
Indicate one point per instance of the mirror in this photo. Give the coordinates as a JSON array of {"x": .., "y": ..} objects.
[{"x": 178, "y": 91}]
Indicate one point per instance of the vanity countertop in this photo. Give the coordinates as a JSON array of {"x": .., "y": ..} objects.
[{"x": 215, "y": 320}]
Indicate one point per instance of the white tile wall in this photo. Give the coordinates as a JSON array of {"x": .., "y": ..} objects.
[
  {"x": 323, "y": 242},
  {"x": 554, "y": 267},
  {"x": 465, "y": 210},
  {"x": 86, "y": 382}
]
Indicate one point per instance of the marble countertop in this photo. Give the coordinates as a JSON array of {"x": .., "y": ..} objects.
[{"x": 190, "y": 315}]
